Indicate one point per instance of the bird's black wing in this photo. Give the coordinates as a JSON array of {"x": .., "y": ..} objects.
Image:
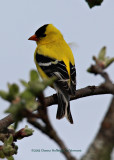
[{"x": 53, "y": 67}]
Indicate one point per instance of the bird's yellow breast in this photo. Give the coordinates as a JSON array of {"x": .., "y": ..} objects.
[{"x": 58, "y": 50}]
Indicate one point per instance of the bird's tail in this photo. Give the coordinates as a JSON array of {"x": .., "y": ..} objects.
[{"x": 63, "y": 104}]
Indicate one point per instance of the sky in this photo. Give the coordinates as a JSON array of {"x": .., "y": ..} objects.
[{"x": 90, "y": 30}]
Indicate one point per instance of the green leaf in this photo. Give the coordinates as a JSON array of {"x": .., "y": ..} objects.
[
  {"x": 49, "y": 82},
  {"x": 31, "y": 105},
  {"x": 9, "y": 85},
  {"x": 10, "y": 140},
  {"x": 16, "y": 123},
  {"x": 93, "y": 3},
  {"x": 8, "y": 149},
  {"x": 102, "y": 61},
  {"x": 109, "y": 61},
  {"x": 36, "y": 87},
  {"x": 24, "y": 83},
  {"x": 6, "y": 96},
  {"x": 3, "y": 95},
  {"x": 11, "y": 127},
  {"x": 89, "y": 70},
  {"x": 10, "y": 158},
  {"x": 13, "y": 89},
  {"x": 102, "y": 54},
  {"x": 2, "y": 154},
  {"x": 33, "y": 75},
  {"x": 26, "y": 94},
  {"x": 28, "y": 131},
  {"x": 16, "y": 111}
]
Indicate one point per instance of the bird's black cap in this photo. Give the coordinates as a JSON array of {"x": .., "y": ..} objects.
[{"x": 41, "y": 31}]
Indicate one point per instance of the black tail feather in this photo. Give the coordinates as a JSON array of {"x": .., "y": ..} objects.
[
  {"x": 63, "y": 103},
  {"x": 69, "y": 115},
  {"x": 63, "y": 108}
]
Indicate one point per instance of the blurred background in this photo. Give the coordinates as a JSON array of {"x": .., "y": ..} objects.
[{"x": 88, "y": 30}]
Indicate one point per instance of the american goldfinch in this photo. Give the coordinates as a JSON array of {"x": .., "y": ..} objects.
[{"x": 53, "y": 57}]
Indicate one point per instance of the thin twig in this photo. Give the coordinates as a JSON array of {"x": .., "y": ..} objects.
[
  {"x": 49, "y": 131},
  {"x": 95, "y": 69}
]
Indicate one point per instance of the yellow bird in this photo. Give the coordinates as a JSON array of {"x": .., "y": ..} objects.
[{"x": 53, "y": 57}]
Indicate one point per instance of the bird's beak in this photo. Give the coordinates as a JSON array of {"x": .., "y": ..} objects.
[{"x": 33, "y": 38}]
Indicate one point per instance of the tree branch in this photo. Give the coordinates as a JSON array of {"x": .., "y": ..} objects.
[
  {"x": 50, "y": 132},
  {"x": 22, "y": 133},
  {"x": 84, "y": 92},
  {"x": 48, "y": 129},
  {"x": 51, "y": 100},
  {"x": 5, "y": 122},
  {"x": 103, "y": 144}
]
